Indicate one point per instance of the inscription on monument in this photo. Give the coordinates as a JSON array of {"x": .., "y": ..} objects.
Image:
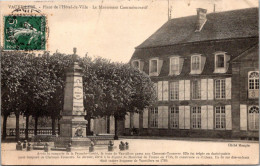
[{"x": 78, "y": 96}]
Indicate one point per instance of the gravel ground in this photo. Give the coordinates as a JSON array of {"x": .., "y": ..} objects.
[{"x": 142, "y": 151}]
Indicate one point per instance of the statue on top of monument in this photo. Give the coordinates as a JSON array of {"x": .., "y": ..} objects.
[{"x": 74, "y": 56}]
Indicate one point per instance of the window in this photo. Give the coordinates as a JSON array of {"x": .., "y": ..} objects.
[
  {"x": 174, "y": 117},
  {"x": 196, "y": 117},
  {"x": 220, "y": 89},
  {"x": 136, "y": 64},
  {"x": 196, "y": 89},
  {"x": 221, "y": 59},
  {"x": 174, "y": 65},
  {"x": 253, "y": 118},
  {"x": 154, "y": 117},
  {"x": 195, "y": 62},
  {"x": 253, "y": 84},
  {"x": 174, "y": 90},
  {"x": 153, "y": 66},
  {"x": 163, "y": 91},
  {"x": 220, "y": 117}
]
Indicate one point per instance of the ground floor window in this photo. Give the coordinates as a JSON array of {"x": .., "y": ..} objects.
[
  {"x": 154, "y": 117},
  {"x": 196, "y": 117},
  {"x": 174, "y": 117},
  {"x": 220, "y": 117},
  {"x": 253, "y": 118}
]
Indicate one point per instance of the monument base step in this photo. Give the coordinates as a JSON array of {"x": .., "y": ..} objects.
[{"x": 75, "y": 142}]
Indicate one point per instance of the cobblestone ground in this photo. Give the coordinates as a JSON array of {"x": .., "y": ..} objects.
[{"x": 143, "y": 151}]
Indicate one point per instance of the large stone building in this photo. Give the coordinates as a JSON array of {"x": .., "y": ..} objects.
[{"x": 205, "y": 70}]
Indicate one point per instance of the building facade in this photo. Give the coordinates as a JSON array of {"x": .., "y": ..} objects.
[
  {"x": 245, "y": 76},
  {"x": 201, "y": 77}
]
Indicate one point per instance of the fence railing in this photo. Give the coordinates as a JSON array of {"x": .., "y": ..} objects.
[{"x": 12, "y": 132}]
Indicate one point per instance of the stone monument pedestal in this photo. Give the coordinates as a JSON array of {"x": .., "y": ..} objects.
[{"x": 72, "y": 123}]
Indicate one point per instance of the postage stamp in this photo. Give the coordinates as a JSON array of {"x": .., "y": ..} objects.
[{"x": 25, "y": 32}]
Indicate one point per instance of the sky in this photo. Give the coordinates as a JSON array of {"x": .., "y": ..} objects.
[{"x": 114, "y": 33}]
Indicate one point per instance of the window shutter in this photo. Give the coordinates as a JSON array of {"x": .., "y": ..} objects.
[
  {"x": 160, "y": 64},
  {"x": 145, "y": 118},
  {"x": 187, "y": 117},
  {"x": 228, "y": 88},
  {"x": 127, "y": 120},
  {"x": 160, "y": 117},
  {"x": 243, "y": 117},
  {"x": 112, "y": 125},
  {"x": 204, "y": 117},
  {"x": 203, "y": 60},
  {"x": 187, "y": 90},
  {"x": 165, "y": 90},
  {"x": 165, "y": 117},
  {"x": 181, "y": 60},
  {"x": 160, "y": 86},
  {"x": 227, "y": 60},
  {"x": 228, "y": 118},
  {"x": 136, "y": 120},
  {"x": 181, "y": 90},
  {"x": 156, "y": 89},
  {"x": 210, "y": 89},
  {"x": 204, "y": 89},
  {"x": 210, "y": 117},
  {"x": 181, "y": 117},
  {"x": 141, "y": 65}
]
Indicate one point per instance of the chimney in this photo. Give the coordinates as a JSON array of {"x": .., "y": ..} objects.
[{"x": 201, "y": 19}]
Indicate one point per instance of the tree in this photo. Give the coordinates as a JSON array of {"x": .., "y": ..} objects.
[
  {"x": 37, "y": 87},
  {"x": 13, "y": 69},
  {"x": 28, "y": 83},
  {"x": 57, "y": 65},
  {"x": 113, "y": 89},
  {"x": 132, "y": 91}
]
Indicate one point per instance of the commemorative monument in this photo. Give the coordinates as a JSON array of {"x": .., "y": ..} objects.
[{"x": 72, "y": 123}]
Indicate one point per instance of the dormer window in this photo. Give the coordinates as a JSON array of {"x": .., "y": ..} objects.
[
  {"x": 176, "y": 63},
  {"x": 138, "y": 64},
  {"x": 221, "y": 65},
  {"x": 155, "y": 66},
  {"x": 220, "y": 61},
  {"x": 197, "y": 63}
]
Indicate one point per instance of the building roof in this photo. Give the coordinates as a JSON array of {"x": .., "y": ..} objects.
[
  {"x": 250, "y": 54},
  {"x": 223, "y": 25}
]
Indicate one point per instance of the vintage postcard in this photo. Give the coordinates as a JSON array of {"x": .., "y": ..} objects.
[{"x": 129, "y": 82}]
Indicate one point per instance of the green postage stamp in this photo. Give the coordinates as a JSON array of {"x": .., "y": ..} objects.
[{"x": 25, "y": 32}]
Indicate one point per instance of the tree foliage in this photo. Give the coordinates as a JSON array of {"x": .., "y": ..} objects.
[{"x": 34, "y": 85}]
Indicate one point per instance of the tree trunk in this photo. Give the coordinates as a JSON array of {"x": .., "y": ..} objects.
[
  {"x": 35, "y": 125},
  {"x": 108, "y": 124},
  {"x": 53, "y": 125},
  {"x": 4, "y": 126},
  {"x": 17, "y": 128},
  {"x": 58, "y": 126},
  {"x": 88, "y": 126},
  {"x": 116, "y": 136},
  {"x": 27, "y": 127}
]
